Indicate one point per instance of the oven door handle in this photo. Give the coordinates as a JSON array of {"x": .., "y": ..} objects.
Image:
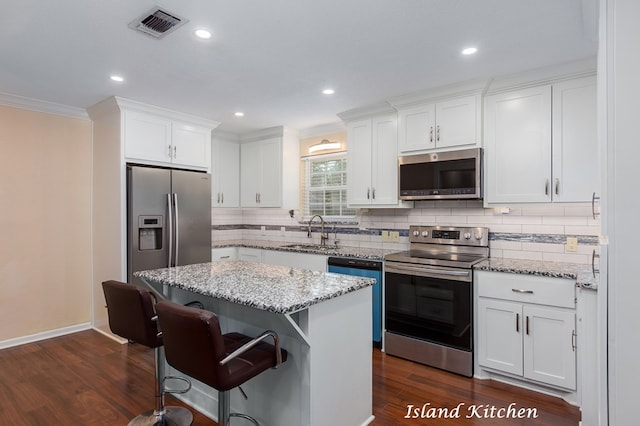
[{"x": 425, "y": 271}]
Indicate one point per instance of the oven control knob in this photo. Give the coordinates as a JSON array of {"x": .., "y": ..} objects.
[
  {"x": 478, "y": 235},
  {"x": 425, "y": 234},
  {"x": 467, "y": 236},
  {"x": 416, "y": 233}
]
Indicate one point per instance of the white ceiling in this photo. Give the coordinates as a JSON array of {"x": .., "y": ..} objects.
[{"x": 272, "y": 58}]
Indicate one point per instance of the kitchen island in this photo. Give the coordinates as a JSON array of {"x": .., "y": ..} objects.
[{"x": 323, "y": 320}]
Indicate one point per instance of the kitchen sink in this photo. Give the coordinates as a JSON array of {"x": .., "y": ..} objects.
[{"x": 307, "y": 246}]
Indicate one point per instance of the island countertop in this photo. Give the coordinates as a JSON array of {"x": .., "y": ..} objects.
[{"x": 278, "y": 289}]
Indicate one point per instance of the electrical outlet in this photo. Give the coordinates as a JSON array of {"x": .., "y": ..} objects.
[
  {"x": 394, "y": 236},
  {"x": 385, "y": 236},
  {"x": 571, "y": 245}
]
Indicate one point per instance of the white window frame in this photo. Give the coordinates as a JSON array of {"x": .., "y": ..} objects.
[{"x": 307, "y": 162}]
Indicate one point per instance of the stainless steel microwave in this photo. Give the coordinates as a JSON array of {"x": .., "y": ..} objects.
[{"x": 441, "y": 175}]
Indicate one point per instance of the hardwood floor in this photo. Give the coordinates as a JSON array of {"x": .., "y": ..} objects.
[{"x": 88, "y": 379}]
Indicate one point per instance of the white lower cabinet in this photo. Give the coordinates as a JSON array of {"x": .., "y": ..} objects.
[
  {"x": 311, "y": 262},
  {"x": 224, "y": 253},
  {"x": 527, "y": 327},
  {"x": 249, "y": 254}
]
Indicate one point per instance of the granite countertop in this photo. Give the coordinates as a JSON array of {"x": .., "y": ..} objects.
[
  {"x": 579, "y": 272},
  {"x": 328, "y": 250},
  {"x": 278, "y": 289}
]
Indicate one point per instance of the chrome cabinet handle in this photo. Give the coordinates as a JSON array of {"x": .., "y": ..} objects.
[
  {"x": 222, "y": 198},
  {"x": 218, "y": 198},
  {"x": 175, "y": 152},
  {"x": 368, "y": 194},
  {"x": 557, "y": 189},
  {"x": 431, "y": 134},
  {"x": 169, "y": 153},
  {"x": 373, "y": 193},
  {"x": 593, "y": 205},
  {"x": 438, "y": 133},
  {"x": 517, "y": 290},
  {"x": 225, "y": 257},
  {"x": 546, "y": 187},
  {"x": 574, "y": 340},
  {"x": 594, "y": 256}
]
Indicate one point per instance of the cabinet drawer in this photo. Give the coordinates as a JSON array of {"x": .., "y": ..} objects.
[{"x": 527, "y": 288}]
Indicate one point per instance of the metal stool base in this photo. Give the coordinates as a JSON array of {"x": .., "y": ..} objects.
[{"x": 172, "y": 416}]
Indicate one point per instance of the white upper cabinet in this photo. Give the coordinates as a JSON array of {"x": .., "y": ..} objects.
[
  {"x": 191, "y": 145},
  {"x": 225, "y": 173},
  {"x": 541, "y": 144},
  {"x": 269, "y": 172},
  {"x": 372, "y": 177},
  {"x": 575, "y": 142},
  {"x": 446, "y": 124},
  {"x": 147, "y": 137},
  {"x": 518, "y": 146},
  {"x": 162, "y": 140}
]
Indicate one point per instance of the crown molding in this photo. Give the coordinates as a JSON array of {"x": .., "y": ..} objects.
[
  {"x": 367, "y": 111},
  {"x": 322, "y": 129},
  {"x": 38, "y": 105}
]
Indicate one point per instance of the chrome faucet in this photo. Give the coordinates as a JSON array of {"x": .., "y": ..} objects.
[{"x": 323, "y": 236}]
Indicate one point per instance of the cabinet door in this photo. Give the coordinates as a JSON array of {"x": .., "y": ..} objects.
[
  {"x": 575, "y": 140},
  {"x": 226, "y": 174},
  {"x": 270, "y": 184},
  {"x": 147, "y": 137},
  {"x": 224, "y": 253},
  {"x": 359, "y": 157},
  {"x": 500, "y": 335},
  {"x": 311, "y": 262},
  {"x": 549, "y": 354},
  {"x": 384, "y": 160},
  {"x": 191, "y": 145},
  {"x": 249, "y": 174},
  {"x": 457, "y": 122},
  {"x": 416, "y": 128},
  {"x": 250, "y": 254},
  {"x": 518, "y": 146}
]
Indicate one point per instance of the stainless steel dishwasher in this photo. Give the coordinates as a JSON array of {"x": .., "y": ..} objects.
[{"x": 368, "y": 269}]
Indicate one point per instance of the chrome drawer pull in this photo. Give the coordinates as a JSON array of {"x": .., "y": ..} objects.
[{"x": 517, "y": 290}]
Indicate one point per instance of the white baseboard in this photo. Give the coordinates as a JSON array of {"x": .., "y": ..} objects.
[
  {"x": 44, "y": 335},
  {"x": 111, "y": 336}
]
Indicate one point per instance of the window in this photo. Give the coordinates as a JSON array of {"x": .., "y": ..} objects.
[{"x": 325, "y": 187}]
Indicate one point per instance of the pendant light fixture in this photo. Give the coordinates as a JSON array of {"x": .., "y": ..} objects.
[{"x": 324, "y": 145}]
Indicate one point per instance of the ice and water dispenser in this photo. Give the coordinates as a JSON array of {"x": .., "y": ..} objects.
[{"x": 150, "y": 232}]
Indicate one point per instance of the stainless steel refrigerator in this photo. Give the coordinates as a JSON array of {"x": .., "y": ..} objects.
[{"x": 169, "y": 218}]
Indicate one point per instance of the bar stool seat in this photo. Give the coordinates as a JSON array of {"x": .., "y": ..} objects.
[
  {"x": 132, "y": 316},
  {"x": 195, "y": 345}
]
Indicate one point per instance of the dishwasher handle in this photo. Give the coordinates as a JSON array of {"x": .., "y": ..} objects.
[{"x": 350, "y": 262}]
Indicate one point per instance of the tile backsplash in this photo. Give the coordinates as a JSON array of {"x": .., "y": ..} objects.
[{"x": 536, "y": 232}]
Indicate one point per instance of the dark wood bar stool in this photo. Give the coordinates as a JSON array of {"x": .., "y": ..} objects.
[
  {"x": 195, "y": 345},
  {"x": 131, "y": 311}
]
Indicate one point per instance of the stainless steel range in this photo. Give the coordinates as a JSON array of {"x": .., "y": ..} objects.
[{"x": 429, "y": 296}]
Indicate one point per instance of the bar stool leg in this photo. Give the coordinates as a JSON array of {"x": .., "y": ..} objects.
[
  {"x": 224, "y": 408},
  {"x": 161, "y": 415}
]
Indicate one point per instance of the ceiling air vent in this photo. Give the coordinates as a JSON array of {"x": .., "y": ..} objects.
[{"x": 157, "y": 23}]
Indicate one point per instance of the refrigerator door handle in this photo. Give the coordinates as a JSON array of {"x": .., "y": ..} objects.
[
  {"x": 169, "y": 230},
  {"x": 175, "y": 204}
]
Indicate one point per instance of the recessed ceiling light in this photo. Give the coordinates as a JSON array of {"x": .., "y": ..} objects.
[
  {"x": 203, "y": 34},
  {"x": 239, "y": 114},
  {"x": 117, "y": 78},
  {"x": 328, "y": 91},
  {"x": 469, "y": 50}
]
